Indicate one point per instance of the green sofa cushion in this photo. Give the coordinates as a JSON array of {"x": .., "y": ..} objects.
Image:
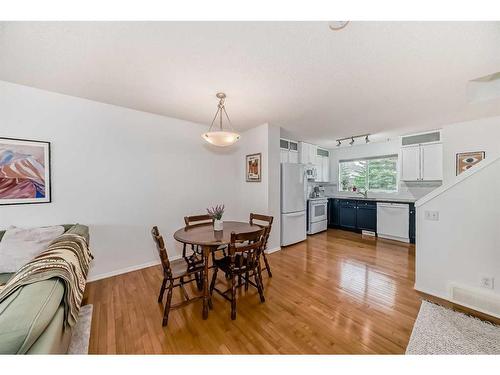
[
  {"x": 55, "y": 338},
  {"x": 29, "y": 318},
  {"x": 4, "y": 277},
  {"x": 26, "y": 313}
]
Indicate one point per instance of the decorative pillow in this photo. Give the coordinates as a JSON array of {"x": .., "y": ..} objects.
[{"x": 20, "y": 245}]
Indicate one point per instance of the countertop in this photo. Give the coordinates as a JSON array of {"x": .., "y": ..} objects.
[{"x": 361, "y": 198}]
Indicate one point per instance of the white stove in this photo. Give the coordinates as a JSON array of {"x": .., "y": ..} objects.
[{"x": 317, "y": 215}]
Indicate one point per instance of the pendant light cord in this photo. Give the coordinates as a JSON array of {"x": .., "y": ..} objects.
[{"x": 221, "y": 108}]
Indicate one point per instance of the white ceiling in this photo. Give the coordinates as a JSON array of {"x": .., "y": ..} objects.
[{"x": 371, "y": 77}]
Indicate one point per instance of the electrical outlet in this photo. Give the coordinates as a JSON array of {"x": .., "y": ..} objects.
[
  {"x": 431, "y": 215},
  {"x": 487, "y": 282}
]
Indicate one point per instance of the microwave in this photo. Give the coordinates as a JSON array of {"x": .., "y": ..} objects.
[{"x": 311, "y": 174}]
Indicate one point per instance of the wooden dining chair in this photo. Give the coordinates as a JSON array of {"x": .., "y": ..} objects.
[
  {"x": 175, "y": 274},
  {"x": 263, "y": 221},
  {"x": 196, "y": 251},
  {"x": 242, "y": 261},
  {"x": 200, "y": 220},
  {"x": 195, "y": 220}
]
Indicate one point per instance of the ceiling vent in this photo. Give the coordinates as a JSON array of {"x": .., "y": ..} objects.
[{"x": 486, "y": 302}]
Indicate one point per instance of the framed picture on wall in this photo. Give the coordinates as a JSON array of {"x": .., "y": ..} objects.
[
  {"x": 466, "y": 160},
  {"x": 24, "y": 171},
  {"x": 254, "y": 167}
]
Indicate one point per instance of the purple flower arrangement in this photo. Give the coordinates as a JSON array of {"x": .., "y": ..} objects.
[{"x": 216, "y": 212}]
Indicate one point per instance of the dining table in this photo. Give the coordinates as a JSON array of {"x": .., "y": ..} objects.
[{"x": 209, "y": 240}]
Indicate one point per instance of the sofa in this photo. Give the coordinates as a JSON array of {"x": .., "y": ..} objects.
[{"x": 32, "y": 318}]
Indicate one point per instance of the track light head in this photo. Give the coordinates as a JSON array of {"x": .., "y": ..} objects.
[
  {"x": 367, "y": 140},
  {"x": 352, "y": 141},
  {"x": 338, "y": 143}
]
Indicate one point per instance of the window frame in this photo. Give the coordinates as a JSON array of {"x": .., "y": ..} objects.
[{"x": 367, "y": 182}]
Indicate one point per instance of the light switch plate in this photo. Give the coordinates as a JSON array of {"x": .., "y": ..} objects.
[{"x": 431, "y": 215}]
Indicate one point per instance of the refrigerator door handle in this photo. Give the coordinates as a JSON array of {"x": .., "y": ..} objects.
[{"x": 300, "y": 213}]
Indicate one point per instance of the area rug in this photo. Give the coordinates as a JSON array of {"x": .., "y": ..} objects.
[
  {"x": 81, "y": 334},
  {"x": 438, "y": 330}
]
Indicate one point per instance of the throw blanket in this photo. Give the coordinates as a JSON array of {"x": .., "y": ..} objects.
[{"x": 68, "y": 258}]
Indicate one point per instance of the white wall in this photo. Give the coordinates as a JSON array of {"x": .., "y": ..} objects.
[
  {"x": 479, "y": 135},
  {"x": 120, "y": 171},
  {"x": 252, "y": 195},
  {"x": 462, "y": 246},
  {"x": 260, "y": 197},
  {"x": 406, "y": 190}
]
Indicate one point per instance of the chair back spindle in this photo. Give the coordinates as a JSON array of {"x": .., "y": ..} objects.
[
  {"x": 245, "y": 256},
  {"x": 162, "y": 251},
  {"x": 262, "y": 221}
]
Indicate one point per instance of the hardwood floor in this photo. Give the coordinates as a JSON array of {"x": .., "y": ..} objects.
[{"x": 337, "y": 292}]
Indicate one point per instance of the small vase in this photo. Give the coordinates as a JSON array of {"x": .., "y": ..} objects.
[{"x": 218, "y": 224}]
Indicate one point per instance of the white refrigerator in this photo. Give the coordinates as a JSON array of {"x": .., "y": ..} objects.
[{"x": 293, "y": 203}]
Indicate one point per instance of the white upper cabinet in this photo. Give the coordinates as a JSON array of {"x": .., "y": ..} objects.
[
  {"x": 307, "y": 153},
  {"x": 322, "y": 165},
  {"x": 304, "y": 153},
  {"x": 312, "y": 154},
  {"x": 326, "y": 169},
  {"x": 317, "y": 157},
  {"x": 293, "y": 157},
  {"x": 284, "y": 156},
  {"x": 289, "y": 151},
  {"x": 318, "y": 164},
  {"x": 410, "y": 163},
  {"x": 422, "y": 162},
  {"x": 432, "y": 161}
]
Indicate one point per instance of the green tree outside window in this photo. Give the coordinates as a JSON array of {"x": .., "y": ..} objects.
[{"x": 374, "y": 174}]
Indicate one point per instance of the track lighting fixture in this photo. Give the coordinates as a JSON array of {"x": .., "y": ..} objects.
[{"x": 352, "y": 138}]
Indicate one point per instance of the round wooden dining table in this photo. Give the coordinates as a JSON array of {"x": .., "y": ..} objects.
[{"x": 209, "y": 240}]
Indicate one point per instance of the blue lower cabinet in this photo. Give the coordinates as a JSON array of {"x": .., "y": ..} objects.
[
  {"x": 359, "y": 215},
  {"x": 367, "y": 216},
  {"x": 333, "y": 212},
  {"x": 412, "y": 223},
  {"x": 348, "y": 214}
]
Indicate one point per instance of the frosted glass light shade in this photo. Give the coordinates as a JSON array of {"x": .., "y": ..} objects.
[{"x": 221, "y": 138}]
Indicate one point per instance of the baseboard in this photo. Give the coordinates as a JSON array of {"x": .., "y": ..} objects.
[
  {"x": 127, "y": 269},
  {"x": 270, "y": 251},
  {"x": 460, "y": 308},
  {"x": 146, "y": 265},
  {"x": 393, "y": 238}
]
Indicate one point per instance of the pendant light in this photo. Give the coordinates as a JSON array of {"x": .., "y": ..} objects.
[
  {"x": 221, "y": 137},
  {"x": 337, "y": 25}
]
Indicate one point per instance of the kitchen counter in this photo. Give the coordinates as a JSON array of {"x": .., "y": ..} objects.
[{"x": 359, "y": 197}]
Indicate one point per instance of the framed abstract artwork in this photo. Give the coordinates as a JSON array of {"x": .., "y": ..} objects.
[
  {"x": 24, "y": 171},
  {"x": 254, "y": 167},
  {"x": 465, "y": 160}
]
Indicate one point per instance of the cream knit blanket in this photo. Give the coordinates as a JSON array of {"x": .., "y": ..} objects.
[{"x": 67, "y": 258}]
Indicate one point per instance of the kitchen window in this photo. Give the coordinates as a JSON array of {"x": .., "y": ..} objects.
[{"x": 377, "y": 174}]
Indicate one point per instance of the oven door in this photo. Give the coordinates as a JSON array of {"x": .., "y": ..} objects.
[{"x": 318, "y": 211}]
